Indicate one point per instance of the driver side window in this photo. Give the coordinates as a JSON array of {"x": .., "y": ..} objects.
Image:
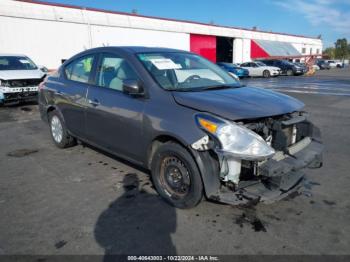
[{"x": 113, "y": 71}]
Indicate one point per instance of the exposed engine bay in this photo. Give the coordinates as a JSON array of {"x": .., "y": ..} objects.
[{"x": 297, "y": 145}]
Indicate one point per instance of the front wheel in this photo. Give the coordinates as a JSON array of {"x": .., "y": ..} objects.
[
  {"x": 266, "y": 74},
  {"x": 59, "y": 132},
  {"x": 176, "y": 176},
  {"x": 289, "y": 72}
]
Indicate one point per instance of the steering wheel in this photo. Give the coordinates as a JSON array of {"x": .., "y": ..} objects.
[{"x": 191, "y": 78}]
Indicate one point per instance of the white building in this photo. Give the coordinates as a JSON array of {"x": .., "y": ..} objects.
[{"x": 49, "y": 32}]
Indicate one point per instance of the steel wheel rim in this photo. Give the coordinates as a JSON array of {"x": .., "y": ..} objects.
[
  {"x": 175, "y": 177},
  {"x": 56, "y": 129}
]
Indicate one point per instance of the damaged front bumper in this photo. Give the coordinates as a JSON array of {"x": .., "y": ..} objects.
[
  {"x": 278, "y": 177},
  {"x": 8, "y": 95},
  {"x": 241, "y": 182}
]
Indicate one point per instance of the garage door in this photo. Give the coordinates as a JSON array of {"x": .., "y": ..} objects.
[{"x": 204, "y": 45}]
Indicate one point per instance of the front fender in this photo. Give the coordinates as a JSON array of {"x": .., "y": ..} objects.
[{"x": 209, "y": 167}]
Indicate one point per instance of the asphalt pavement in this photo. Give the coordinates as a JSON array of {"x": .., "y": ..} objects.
[{"x": 83, "y": 201}]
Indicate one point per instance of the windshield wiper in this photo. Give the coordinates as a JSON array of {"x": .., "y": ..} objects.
[
  {"x": 180, "y": 89},
  {"x": 199, "y": 89},
  {"x": 219, "y": 87}
]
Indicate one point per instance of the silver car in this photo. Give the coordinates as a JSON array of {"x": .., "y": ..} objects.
[{"x": 19, "y": 78}]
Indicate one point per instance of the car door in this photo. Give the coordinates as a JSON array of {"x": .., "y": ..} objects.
[
  {"x": 114, "y": 118},
  {"x": 257, "y": 71},
  {"x": 249, "y": 68},
  {"x": 70, "y": 95}
]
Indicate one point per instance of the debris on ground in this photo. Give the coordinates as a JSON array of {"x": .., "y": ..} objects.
[{"x": 22, "y": 152}]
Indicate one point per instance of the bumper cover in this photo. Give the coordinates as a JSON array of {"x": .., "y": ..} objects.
[
  {"x": 19, "y": 94},
  {"x": 310, "y": 156}
]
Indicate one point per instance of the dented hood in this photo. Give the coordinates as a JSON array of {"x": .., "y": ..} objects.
[
  {"x": 239, "y": 103},
  {"x": 21, "y": 74}
]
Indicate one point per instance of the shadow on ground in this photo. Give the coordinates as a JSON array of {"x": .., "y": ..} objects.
[{"x": 137, "y": 223}]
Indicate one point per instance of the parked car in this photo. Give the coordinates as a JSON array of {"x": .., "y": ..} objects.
[
  {"x": 335, "y": 64},
  {"x": 316, "y": 67},
  {"x": 19, "y": 78},
  {"x": 260, "y": 69},
  {"x": 302, "y": 66},
  {"x": 186, "y": 120},
  {"x": 323, "y": 64},
  {"x": 286, "y": 67},
  {"x": 235, "y": 69}
]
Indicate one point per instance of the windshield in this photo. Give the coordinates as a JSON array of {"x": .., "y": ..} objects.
[
  {"x": 260, "y": 64},
  {"x": 286, "y": 62},
  {"x": 185, "y": 72},
  {"x": 16, "y": 63},
  {"x": 228, "y": 65}
]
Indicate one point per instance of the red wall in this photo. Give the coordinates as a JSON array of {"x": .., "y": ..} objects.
[
  {"x": 204, "y": 45},
  {"x": 256, "y": 51}
]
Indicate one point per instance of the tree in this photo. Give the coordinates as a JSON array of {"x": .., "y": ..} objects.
[
  {"x": 329, "y": 52},
  {"x": 341, "y": 49}
]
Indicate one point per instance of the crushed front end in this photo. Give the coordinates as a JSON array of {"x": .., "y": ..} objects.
[
  {"x": 19, "y": 90},
  {"x": 265, "y": 176}
]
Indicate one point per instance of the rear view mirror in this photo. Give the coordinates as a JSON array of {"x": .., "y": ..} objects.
[{"x": 133, "y": 88}]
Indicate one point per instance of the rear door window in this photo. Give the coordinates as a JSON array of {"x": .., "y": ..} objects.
[{"x": 80, "y": 69}]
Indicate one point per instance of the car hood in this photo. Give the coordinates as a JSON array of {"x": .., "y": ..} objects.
[
  {"x": 239, "y": 103},
  {"x": 21, "y": 74}
]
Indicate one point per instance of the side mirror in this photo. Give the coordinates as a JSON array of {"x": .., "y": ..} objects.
[
  {"x": 43, "y": 68},
  {"x": 133, "y": 88}
]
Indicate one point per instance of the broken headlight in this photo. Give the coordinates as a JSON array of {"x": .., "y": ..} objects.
[
  {"x": 4, "y": 83},
  {"x": 234, "y": 139}
]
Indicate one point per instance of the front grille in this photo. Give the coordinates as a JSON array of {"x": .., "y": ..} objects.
[
  {"x": 20, "y": 96},
  {"x": 24, "y": 82}
]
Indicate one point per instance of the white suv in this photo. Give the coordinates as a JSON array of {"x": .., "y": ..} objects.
[{"x": 334, "y": 63}]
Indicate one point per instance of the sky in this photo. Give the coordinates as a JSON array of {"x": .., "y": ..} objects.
[{"x": 328, "y": 18}]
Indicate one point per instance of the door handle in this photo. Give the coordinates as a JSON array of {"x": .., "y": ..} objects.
[{"x": 94, "y": 102}]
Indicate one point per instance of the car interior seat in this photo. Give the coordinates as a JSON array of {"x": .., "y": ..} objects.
[
  {"x": 124, "y": 72},
  {"x": 107, "y": 76}
]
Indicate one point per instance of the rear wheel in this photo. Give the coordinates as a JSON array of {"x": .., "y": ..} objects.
[
  {"x": 266, "y": 73},
  {"x": 176, "y": 176},
  {"x": 59, "y": 132}
]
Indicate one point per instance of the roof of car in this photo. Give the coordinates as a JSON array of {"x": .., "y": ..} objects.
[{"x": 139, "y": 49}]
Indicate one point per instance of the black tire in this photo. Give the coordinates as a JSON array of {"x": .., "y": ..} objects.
[
  {"x": 66, "y": 140},
  {"x": 290, "y": 72},
  {"x": 168, "y": 158},
  {"x": 266, "y": 74}
]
